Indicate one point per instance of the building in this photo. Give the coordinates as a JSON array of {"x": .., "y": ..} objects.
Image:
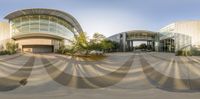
[
  {"x": 176, "y": 37},
  {"x": 38, "y": 30},
  {"x": 126, "y": 40},
  {"x": 4, "y": 34},
  {"x": 186, "y": 34}
]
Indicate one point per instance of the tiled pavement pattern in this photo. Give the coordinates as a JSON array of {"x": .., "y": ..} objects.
[{"x": 120, "y": 75}]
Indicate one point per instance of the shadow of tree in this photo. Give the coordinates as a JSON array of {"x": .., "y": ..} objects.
[
  {"x": 9, "y": 83},
  {"x": 71, "y": 80},
  {"x": 170, "y": 83}
]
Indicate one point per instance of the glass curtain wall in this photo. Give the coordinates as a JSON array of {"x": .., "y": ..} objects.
[
  {"x": 134, "y": 40},
  {"x": 183, "y": 42},
  {"x": 174, "y": 42},
  {"x": 42, "y": 24}
]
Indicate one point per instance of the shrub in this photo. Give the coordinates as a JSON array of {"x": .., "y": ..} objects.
[
  {"x": 11, "y": 48},
  {"x": 183, "y": 53},
  {"x": 195, "y": 52},
  {"x": 5, "y": 52}
]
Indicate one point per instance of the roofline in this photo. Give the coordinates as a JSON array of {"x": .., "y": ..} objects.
[
  {"x": 141, "y": 31},
  {"x": 53, "y": 12},
  {"x": 32, "y": 35}
]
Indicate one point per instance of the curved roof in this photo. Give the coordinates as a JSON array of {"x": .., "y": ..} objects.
[
  {"x": 32, "y": 35},
  {"x": 141, "y": 31},
  {"x": 67, "y": 17},
  {"x": 142, "y": 35}
]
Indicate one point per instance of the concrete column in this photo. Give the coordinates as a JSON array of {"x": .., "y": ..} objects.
[
  {"x": 131, "y": 45},
  {"x": 163, "y": 45},
  {"x": 170, "y": 45},
  {"x": 124, "y": 41},
  {"x": 153, "y": 45},
  {"x": 127, "y": 46}
]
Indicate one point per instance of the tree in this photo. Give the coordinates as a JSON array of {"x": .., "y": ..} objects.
[
  {"x": 116, "y": 46},
  {"x": 106, "y": 45},
  {"x": 142, "y": 46},
  {"x": 97, "y": 38},
  {"x": 11, "y": 47},
  {"x": 81, "y": 43},
  {"x": 62, "y": 49}
]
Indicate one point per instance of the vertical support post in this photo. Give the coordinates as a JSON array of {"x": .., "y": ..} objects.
[
  {"x": 131, "y": 45},
  {"x": 127, "y": 45},
  {"x": 124, "y": 41},
  {"x": 163, "y": 45}
]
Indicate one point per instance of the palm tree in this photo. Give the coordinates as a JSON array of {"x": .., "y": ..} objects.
[{"x": 81, "y": 43}]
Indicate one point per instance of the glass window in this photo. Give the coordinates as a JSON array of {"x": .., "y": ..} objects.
[
  {"x": 34, "y": 23},
  {"x": 42, "y": 23}
]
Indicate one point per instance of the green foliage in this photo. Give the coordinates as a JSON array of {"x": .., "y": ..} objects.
[
  {"x": 4, "y": 52},
  {"x": 142, "y": 46},
  {"x": 82, "y": 40},
  {"x": 82, "y": 45},
  {"x": 195, "y": 51},
  {"x": 95, "y": 46},
  {"x": 97, "y": 38},
  {"x": 106, "y": 45},
  {"x": 183, "y": 53},
  {"x": 100, "y": 43},
  {"x": 79, "y": 44},
  {"x": 62, "y": 49},
  {"x": 116, "y": 47},
  {"x": 11, "y": 48}
]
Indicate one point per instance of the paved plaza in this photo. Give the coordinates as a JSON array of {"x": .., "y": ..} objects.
[{"x": 118, "y": 76}]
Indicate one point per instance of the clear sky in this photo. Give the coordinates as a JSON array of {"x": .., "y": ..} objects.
[{"x": 113, "y": 16}]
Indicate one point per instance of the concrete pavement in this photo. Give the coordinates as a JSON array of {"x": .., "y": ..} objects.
[{"x": 120, "y": 75}]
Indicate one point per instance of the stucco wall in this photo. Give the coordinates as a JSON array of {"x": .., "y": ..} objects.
[
  {"x": 190, "y": 28},
  {"x": 38, "y": 41},
  {"x": 4, "y": 34}
]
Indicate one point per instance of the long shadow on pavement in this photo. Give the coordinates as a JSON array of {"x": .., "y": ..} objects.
[
  {"x": 170, "y": 84},
  {"x": 9, "y": 84},
  {"x": 88, "y": 82}
]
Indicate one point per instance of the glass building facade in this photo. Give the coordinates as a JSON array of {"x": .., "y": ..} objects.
[
  {"x": 128, "y": 41},
  {"x": 174, "y": 42},
  {"x": 41, "y": 30},
  {"x": 181, "y": 38},
  {"x": 41, "y": 24},
  {"x": 155, "y": 41}
]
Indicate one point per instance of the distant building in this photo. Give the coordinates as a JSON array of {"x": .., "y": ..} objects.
[{"x": 176, "y": 37}]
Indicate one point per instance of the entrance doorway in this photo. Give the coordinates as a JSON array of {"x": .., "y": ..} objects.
[
  {"x": 38, "y": 48},
  {"x": 134, "y": 45}
]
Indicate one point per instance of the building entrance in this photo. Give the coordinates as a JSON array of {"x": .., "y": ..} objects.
[
  {"x": 133, "y": 45},
  {"x": 37, "y": 48}
]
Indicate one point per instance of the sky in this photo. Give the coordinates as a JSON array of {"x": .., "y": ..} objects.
[{"x": 114, "y": 16}]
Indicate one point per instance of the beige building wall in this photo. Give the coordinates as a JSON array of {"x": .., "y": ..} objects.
[
  {"x": 189, "y": 28},
  {"x": 38, "y": 41},
  {"x": 4, "y": 34}
]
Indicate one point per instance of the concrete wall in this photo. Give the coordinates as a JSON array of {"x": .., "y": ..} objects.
[
  {"x": 38, "y": 41},
  {"x": 115, "y": 38},
  {"x": 190, "y": 28},
  {"x": 4, "y": 34},
  {"x": 119, "y": 38},
  {"x": 188, "y": 35}
]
